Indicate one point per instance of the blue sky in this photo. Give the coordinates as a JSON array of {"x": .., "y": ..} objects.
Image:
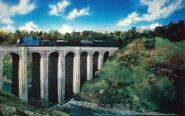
[{"x": 97, "y": 15}]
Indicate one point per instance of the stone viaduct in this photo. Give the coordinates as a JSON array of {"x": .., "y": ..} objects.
[{"x": 57, "y": 72}]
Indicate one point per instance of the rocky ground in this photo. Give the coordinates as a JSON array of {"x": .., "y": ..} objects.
[
  {"x": 119, "y": 109},
  {"x": 8, "y": 110},
  {"x": 10, "y": 105}
]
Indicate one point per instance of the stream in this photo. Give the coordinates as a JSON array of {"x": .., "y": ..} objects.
[{"x": 81, "y": 108}]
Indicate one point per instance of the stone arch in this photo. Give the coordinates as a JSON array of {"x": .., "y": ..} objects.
[
  {"x": 95, "y": 62},
  {"x": 83, "y": 67},
  {"x": 105, "y": 56},
  {"x": 11, "y": 82},
  {"x": 69, "y": 70},
  {"x": 71, "y": 52},
  {"x": 35, "y": 91},
  {"x": 53, "y": 76}
]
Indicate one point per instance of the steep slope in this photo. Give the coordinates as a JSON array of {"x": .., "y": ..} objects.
[{"x": 142, "y": 79}]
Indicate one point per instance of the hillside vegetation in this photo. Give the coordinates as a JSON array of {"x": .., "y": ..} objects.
[
  {"x": 142, "y": 79},
  {"x": 11, "y": 105}
]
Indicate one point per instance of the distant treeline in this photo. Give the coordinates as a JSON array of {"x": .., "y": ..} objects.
[
  {"x": 173, "y": 31},
  {"x": 119, "y": 37}
]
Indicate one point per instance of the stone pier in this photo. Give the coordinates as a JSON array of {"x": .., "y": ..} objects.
[
  {"x": 20, "y": 54},
  {"x": 44, "y": 77}
]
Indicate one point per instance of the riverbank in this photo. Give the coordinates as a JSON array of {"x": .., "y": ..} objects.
[
  {"x": 82, "y": 108},
  {"x": 11, "y": 105}
]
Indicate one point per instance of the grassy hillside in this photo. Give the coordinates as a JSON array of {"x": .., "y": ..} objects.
[{"x": 142, "y": 79}]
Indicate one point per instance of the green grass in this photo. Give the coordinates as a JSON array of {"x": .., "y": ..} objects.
[
  {"x": 13, "y": 101},
  {"x": 139, "y": 77}
]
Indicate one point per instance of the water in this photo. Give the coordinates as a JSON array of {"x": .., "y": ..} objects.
[
  {"x": 7, "y": 87},
  {"x": 74, "y": 110},
  {"x": 83, "y": 108},
  {"x": 78, "y": 108},
  {"x": 81, "y": 111}
]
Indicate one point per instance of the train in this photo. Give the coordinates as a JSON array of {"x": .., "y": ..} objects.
[{"x": 29, "y": 41}]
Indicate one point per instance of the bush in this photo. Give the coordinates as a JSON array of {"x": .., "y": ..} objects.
[{"x": 143, "y": 79}]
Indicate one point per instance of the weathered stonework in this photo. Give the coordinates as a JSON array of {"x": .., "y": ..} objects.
[{"x": 44, "y": 52}]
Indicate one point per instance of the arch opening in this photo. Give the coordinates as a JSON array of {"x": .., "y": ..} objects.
[
  {"x": 11, "y": 73},
  {"x": 105, "y": 57},
  {"x": 34, "y": 76},
  {"x": 69, "y": 64},
  {"x": 95, "y": 62},
  {"x": 83, "y": 68},
  {"x": 53, "y": 76}
]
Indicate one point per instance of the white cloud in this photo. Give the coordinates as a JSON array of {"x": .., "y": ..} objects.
[
  {"x": 7, "y": 12},
  {"x": 29, "y": 26},
  {"x": 151, "y": 26},
  {"x": 4, "y": 14},
  {"x": 133, "y": 17},
  {"x": 9, "y": 28},
  {"x": 4, "y": 9},
  {"x": 77, "y": 13},
  {"x": 157, "y": 9},
  {"x": 7, "y": 21},
  {"x": 66, "y": 29},
  {"x": 23, "y": 7},
  {"x": 57, "y": 9}
]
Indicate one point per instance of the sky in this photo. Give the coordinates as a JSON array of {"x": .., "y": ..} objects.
[{"x": 79, "y": 15}]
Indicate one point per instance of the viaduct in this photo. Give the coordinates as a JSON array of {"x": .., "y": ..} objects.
[{"x": 57, "y": 72}]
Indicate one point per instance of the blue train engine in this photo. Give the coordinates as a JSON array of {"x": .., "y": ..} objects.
[{"x": 28, "y": 41}]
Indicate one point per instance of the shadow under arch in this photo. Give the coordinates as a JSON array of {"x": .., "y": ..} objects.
[
  {"x": 105, "y": 57},
  {"x": 34, "y": 81},
  {"x": 83, "y": 68},
  {"x": 53, "y": 76},
  {"x": 11, "y": 72},
  {"x": 95, "y": 62},
  {"x": 69, "y": 65}
]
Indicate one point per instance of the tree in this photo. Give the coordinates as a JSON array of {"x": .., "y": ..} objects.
[
  {"x": 34, "y": 34},
  {"x": 76, "y": 36},
  {"x": 67, "y": 37},
  {"x": 2, "y": 36},
  {"x": 173, "y": 31},
  {"x": 18, "y": 34}
]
